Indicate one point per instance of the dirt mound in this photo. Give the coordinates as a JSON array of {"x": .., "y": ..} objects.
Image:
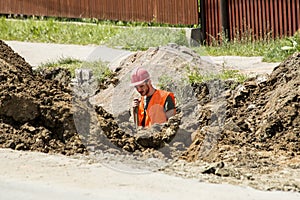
[
  {"x": 249, "y": 131},
  {"x": 39, "y": 111},
  {"x": 9, "y": 56},
  {"x": 35, "y": 112},
  {"x": 262, "y": 115}
]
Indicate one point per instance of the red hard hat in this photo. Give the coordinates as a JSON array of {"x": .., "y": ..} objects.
[{"x": 138, "y": 76}]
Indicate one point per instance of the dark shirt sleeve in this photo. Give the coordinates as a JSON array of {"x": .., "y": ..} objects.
[{"x": 169, "y": 104}]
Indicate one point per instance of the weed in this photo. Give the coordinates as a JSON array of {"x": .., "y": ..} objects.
[
  {"x": 142, "y": 38},
  {"x": 195, "y": 76},
  {"x": 100, "y": 69}
]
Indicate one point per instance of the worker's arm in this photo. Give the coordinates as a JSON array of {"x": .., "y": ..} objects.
[
  {"x": 170, "y": 107},
  {"x": 170, "y": 113}
]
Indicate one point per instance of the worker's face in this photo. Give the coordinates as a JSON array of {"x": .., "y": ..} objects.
[{"x": 143, "y": 88}]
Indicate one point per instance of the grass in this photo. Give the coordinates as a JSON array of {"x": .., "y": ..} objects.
[
  {"x": 67, "y": 63},
  {"x": 141, "y": 38},
  {"x": 271, "y": 50},
  {"x": 51, "y": 31},
  {"x": 195, "y": 76},
  {"x": 100, "y": 69},
  {"x": 137, "y": 36}
]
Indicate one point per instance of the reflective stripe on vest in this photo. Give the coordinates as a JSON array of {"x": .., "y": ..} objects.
[{"x": 155, "y": 112}]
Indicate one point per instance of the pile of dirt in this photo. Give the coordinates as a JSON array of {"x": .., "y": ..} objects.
[
  {"x": 261, "y": 120},
  {"x": 35, "y": 111},
  {"x": 248, "y": 130},
  {"x": 39, "y": 111},
  {"x": 262, "y": 115}
]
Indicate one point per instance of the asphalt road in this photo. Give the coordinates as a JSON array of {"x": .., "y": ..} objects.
[
  {"x": 38, "y": 176},
  {"x": 39, "y": 53}
]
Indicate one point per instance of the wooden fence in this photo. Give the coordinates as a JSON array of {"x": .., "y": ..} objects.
[
  {"x": 259, "y": 19},
  {"x": 183, "y": 12},
  {"x": 234, "y": 18}
]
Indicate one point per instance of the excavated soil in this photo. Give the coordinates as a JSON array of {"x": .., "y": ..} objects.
[
  {"x": 223, "y": 133},
  {"x": 35, "y": 112}
]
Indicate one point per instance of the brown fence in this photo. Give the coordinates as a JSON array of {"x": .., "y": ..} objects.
[
  {"x": 161, "y": 11},
  {"x": 256, "y": 18}
]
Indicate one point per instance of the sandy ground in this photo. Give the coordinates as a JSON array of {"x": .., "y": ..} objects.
[
  {"x": 35, "y": 176},
  {"x": 32, "y": 175}
]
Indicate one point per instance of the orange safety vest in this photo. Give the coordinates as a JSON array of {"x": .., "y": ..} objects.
[{"x": 155, "y": 112}]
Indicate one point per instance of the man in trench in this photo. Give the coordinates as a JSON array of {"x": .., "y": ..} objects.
[{"x": 154, "y": 106}]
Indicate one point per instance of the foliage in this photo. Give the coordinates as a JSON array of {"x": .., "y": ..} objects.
[
  {"x": 31, "y": 30},
  {"x": 284, "y": 48},
  {"x": 272, "y": 50},
  {"x": 99, "y": 68},
  {"x": 195, "y": 76},
  {"x": 67, "y": 63},
  {"x": 142, "y": 38}
]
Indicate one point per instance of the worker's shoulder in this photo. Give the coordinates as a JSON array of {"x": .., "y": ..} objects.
[{"x": 164, "y": 92}]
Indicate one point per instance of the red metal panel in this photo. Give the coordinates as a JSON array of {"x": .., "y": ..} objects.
[
  {"x": 264, "y": 21},
  {"x": 265, "y": 18},
  {"x": 51, "y": 7},
  {"x": 268, "y": 18},
  {"x": 252, "y": 24},
  {"x": 137, "y": 10},
  {"x": 276, "y": 19},
  {"x": 151, "y": 10},
  {"x": 159, "y": 14},
  {"x": 259, "y": 10},
  {"x": 272, "y": 21},
  {"x": 63, "y": 8},
  {"x": 280, "y": 18},
  {"x": 244, "y": 19},
  {"x": 284, "y": 20},
  {"x": 18, "y": 6},
  {"x": 161, "y": 11},
  {"x": 230, "y": 21},
  {"x": 290, "y": 18},
  {"x": 172, "y": 11},
  {"x": 248, "y": 14},
  {"x": 256, "y": 19},
  {"x": 13, "y": 7},
  {"x": 240, "y": 16},
  {"x": 297, "y": 14},
  {"x": 213, "y": 22},
  {"x": 5, "y": 7},
  {"x": 219, "y": 18},
  {"x": 230, "y": 18},
  {"x": 207, "y": 20},
  {"x": 84, "y": 9},
  {"x": 235, "y": 18}
]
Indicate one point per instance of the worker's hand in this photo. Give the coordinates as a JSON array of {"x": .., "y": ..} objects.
[{"x": 135, "y": 103}]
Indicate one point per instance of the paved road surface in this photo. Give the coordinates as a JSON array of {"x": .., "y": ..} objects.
[
  {"x": 38, "y": 53},
  {"x": 38, "y": 176}
]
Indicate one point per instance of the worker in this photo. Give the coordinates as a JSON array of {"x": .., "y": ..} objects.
[{"x": 154, "y": 106}]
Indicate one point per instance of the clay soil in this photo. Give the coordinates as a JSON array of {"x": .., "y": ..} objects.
[{"x": 227, "y": 133}]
